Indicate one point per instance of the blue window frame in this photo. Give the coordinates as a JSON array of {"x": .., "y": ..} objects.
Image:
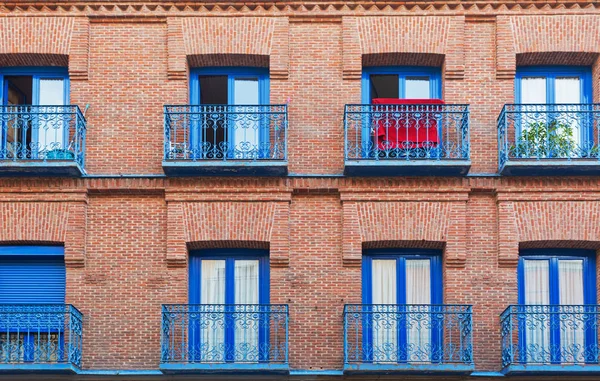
[
  {"x": 556, "y": 277},
  {"x": 415, "y": 278},
  {"x": 23, "y": 87},
  {"x": 556, "y": 85},
  {"x": 230, "y": 120},
  {"x": 216, "y": 270},
  {"x": 33, "y": 275},
  {"x": 401, "y": 82}
]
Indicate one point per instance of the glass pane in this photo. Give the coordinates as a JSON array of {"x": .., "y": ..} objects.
[
  {"x": 536, "y": 323},
  {"x": 570, "y": 281},
  {"x": 247, "y": 119},
  {"x": 212, "y": 126},
  {"x": 384, "y": 86},
  {"x": 418, "y": 291},
  {"x": 417, "y": 88},
  {"x": 247, "y": 323},
  {"x": 533, "y": 90},
  {"x": 51, "y": 126},
  {"x": 212, "y": 286},
  {"x": 385, "y": 320},
  {"x": 567, "y": 90}
]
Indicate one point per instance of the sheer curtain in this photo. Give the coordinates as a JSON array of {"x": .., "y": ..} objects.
[
  {"x": 537, "y": 324},
  {"x": 51, "y": 132},
  {"x": 247, "y": 321},
  {"x": 570, "y": 279},
  {"x": 418, "y": 291},
  {"x": 212, "y": 291},
  {"x": 567, "y": 90},
  {"x": 417, "y": 88},
  {"x": 385, "y": 328}
]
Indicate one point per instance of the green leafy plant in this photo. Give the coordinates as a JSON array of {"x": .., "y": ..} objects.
[{"x": 545, "y": 140}]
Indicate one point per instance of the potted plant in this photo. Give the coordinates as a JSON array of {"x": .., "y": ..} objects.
[{"x": 540, "y": 139}]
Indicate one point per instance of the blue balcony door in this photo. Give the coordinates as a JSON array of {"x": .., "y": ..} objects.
[
  {"x": 233, "y": 331},
  {"x": 233, "y": 125},
  {"x": 401, "y": 288},
  {"x": 31, "y": 130},
  {"x": 562, "y": 89},
  {"x": 550, "y": 335}
]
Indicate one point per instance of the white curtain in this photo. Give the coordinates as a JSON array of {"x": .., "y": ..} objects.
[
  {"x": 385, "y": 329},
  {"x": 537, "y": 325},
  {"x": 246, "y": 134},
  {"x": 247, "y": 323},
  {"x": 533, "y": 90},
  {"x": 51, "y": 131},
  {"x": 570, "y": 280},
  {"x": 567, "y": 90},
  {"x": 418, "y": 291},
  {"x": 212, "y": 287},
  {"x": 417, "y": 88}
]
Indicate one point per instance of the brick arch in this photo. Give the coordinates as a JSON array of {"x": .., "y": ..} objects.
[
  {"x": 424, "y": 224},
  {"x": 565, "y": 38},
  {"x": 53, "y": 223},
  {"x": 405, "y": 39},
  {"x": 525, "y": 224},
  {"x": 199, "y": 245},
  {"x": 209, "y": 41},
  {"x": 403, "y": 59},
  {"x": 212, "y": 224},
  {"x": 404, "y": 244},
  {"x": 46, "y": 41},
  {"x": 550, "y": 244}
]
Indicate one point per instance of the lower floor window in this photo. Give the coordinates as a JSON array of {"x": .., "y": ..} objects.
[{"x": 555, "y": 286}]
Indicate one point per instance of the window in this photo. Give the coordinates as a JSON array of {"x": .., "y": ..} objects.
[
  {"x": 31, "y": 275},
  {"x": 411, "y": 280},
  {"x": 230, "y": 285},
  {"x": 30, "y": 127},
  {"x": 556, "y": 278},
  {"x": 560, "y": 89},
  {"x": 401, "y": 83},
  {"x": 232, "y": 123}
]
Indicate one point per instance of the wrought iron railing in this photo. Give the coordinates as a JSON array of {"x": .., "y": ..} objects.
[
  {"x": 550, "y": 334},
  {"x": 226, "y": 132},
  {"x": 408, "y": 334},
  {"x": 44, "y": 133},
  {"x": 225, "y": 333},
  {"x": 548, "y": 131},
  {"x": 40, "y": 334},
  {"x": 406, "y": 132}
]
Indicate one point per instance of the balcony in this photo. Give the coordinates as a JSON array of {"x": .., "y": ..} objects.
[
  {"x": 42, "y": 141},
  {"x": 224, "y": 338},
  {"x": 406, "y": 140},
  {"x": 550, "y": 339},
  {"x": 549, "y": 139},
  {"x": 417, "y": 338},
  {"x": 225, "y": 140},
  {"x": 40, "y": 337}
]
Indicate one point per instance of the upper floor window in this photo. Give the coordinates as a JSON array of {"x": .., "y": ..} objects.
[
  {"x": 34, "y": 124},
  {"x": 232, "y": 122},
  {"x": 401, "y": 83},
  {"x": 553, "y": 85}
]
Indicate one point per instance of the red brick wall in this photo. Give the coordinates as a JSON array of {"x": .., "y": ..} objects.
[{"x": 127, "y": 240}]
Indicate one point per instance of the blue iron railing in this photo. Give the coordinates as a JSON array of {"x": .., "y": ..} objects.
[
  {"x": 411, "y": 333},
  {"x": 548, "y": 131},
  {"x": 43, "y": 133},
  {"x": 550, "y": 334},
  {"x": 226, "y": 132},
  {"x": 40, "y": 334},
  {"x": 406, "y": 132},
  {"x": 220, "y": 333}
]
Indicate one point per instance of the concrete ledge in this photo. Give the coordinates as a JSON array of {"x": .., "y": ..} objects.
[
  {"x": 552, "y": 369},
  {"x": 270, "y": 168},
  {"x": 224, "y": 368},
  {"x": 551, "y": 167},
  {"x": 399, "y": 167},
  {"x": 21, "y": 368},
  {"x": 38, "y": 168}
]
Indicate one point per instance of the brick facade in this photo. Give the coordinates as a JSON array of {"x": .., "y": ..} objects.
[{"x": 127, "y": 229}]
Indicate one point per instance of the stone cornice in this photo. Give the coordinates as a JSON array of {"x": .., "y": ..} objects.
[{"x": 150, "y": 8}]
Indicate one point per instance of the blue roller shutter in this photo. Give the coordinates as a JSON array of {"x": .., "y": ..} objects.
[{"x": 32, "y": 275}]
